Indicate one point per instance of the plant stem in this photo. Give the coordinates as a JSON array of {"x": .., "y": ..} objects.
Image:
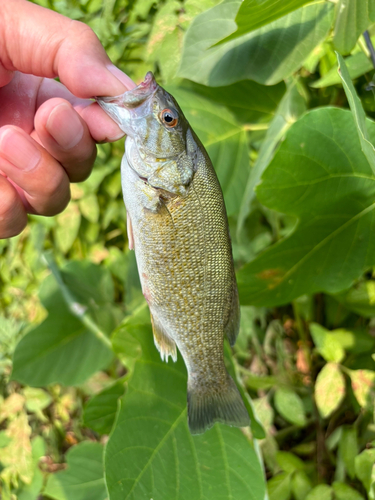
[
  {"x": 370, "y": 47},
  {"x": 77, "y": 309},
  {"x": 302, "y": 334}
]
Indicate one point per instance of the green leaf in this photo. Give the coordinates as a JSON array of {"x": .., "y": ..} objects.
[
  {"x": 320, "y": 492},
  {"x": 83, "y": 479},
  {"x": 267, "y": 55},
  {"x": 264, "y": 411},
  {"x": 348, "y": 448},
  {"x": 360, "y": 298},
  {"x": 301, "y": 485},
  {"x": 67, "y": 227},
  {"x": 68, "y": 346},
  {"x": 344, "y": 492},
  {"x": 289, "y": 462},
  {"x": 351, "y": 21},
  {"x": 290, "y": 406},
  {"x": 358, "y": 113},
  {"x": 364, "y": 469},
  {"x": 356, "y": 341},
  {"x": 320, "y": 175},
  {"x": 357, "y": 65},
  {"x": 254, "y": 14},
  {"x": 290, "y": 108},
  {"x": 279, "y": 487},
  {"x": 89, "y": 207},
  {"x": 225, "y": 142},
  {"x": 249, "y": 101},
  {"x": 100, "y": 412},
  {"x": 165, "y": 40},
  {"x": 363, "y": 386},
  {"x": 151, "y": 453},
  {"x": 327, "y": 343},
  {"x": 36, "y": 399},
  {"x": 329, "y": 389}
]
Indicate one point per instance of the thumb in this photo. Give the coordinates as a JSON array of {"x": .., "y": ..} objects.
[{"x": 40, "y": 42}]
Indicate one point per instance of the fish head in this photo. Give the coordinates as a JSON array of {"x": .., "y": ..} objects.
[{"x": 151, "y": 116}]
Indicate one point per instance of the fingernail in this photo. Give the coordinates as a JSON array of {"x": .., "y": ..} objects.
[
  {"x": 18, "y": 149},
  {"x": 65, "y": 126},
  {"x": 122, "y": 77}
]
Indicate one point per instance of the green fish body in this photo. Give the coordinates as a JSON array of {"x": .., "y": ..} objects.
[{"x": 178, "y": 226}]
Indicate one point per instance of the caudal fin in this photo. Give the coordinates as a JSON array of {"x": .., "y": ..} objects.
[{"x": 216, "y": 403}]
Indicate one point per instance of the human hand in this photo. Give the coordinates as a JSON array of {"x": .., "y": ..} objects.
[{"x": 48, "y": 129}]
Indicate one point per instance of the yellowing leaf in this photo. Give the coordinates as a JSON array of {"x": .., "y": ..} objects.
[
  {"x": 17, "y": 456},
  {"x": 11, "y": 406},
  {"x": 329, "y": 389},
  {"x": 363, "y": 386}
]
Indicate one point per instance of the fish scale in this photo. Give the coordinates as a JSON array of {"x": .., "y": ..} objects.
[{"x": 179, "y": 226}]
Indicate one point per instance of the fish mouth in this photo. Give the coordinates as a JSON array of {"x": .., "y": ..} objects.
[
  {"x": 131, "y": 105},
  {"x": 134, "y": 97}
]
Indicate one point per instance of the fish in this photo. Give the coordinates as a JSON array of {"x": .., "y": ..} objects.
[{"x": 178, "y": 226}]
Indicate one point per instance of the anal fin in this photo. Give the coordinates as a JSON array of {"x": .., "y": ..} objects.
[{"x": 165, "y": 345}]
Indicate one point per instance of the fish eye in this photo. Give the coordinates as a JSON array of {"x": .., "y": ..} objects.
[{"x": 169, "y": 117}]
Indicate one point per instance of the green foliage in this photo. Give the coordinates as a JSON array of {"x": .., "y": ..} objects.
[
  {"x": 83, "y": 478},
  {"x": 272, "y": 53},
  {"x": 87, "y": 408},
  {"x": 151, "y": 437}
]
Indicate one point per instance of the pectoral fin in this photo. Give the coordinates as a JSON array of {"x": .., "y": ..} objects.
[
  {"x": 129, "y": 229},
  {"x": 165, "y": 345}
]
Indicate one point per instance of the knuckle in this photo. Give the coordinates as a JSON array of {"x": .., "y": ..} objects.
[{"x": 84, "y": 32}]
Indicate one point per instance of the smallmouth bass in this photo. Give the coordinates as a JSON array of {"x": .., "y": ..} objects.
[{"x": 177, "y": 225}]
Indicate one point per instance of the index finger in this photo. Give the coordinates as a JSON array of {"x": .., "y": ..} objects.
[{"x": 44, "y": 43}]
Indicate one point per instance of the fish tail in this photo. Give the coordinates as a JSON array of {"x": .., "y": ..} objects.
[{"x": 217, "y": 402}]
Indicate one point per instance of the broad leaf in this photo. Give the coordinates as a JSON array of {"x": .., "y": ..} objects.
[
  {"x": 83, "y": 479},
  {"x": 360, "y": 298},
  {"x": 344, "y": 492},
  {"x": 289, "y": 462},
  {"x": 249, "y": 101},
  {"x": 358, "y": 64},
  {"x": 363, "y": 382},
  {"x": 151, "y": 453},
  {"x": 327, "y": 343},
  {"x": 348, "y": 448},
  {"x": 254, "y": 14},
  {"x": 301, "y": 485},
  {"x": 290, "y": 108},
  {"x": 321, "y": 176},
  {"x": 69, "y": 345},
  {"x": 267, "y": 55},
  {"x": 358, "y": 113},
  {"x": 320, "y": 492},
  {"x": 279, "y": 486},
  {"x": 100, "y": 411},
  {"x": 351, "y": 21},
  {"x": 329, "y": 389},
  {"x": 225, "y": 141},
  {"x": 364, "y": 468},
  {"x": 67, "y": 227},
  {"x": 290, "y": 406}
]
